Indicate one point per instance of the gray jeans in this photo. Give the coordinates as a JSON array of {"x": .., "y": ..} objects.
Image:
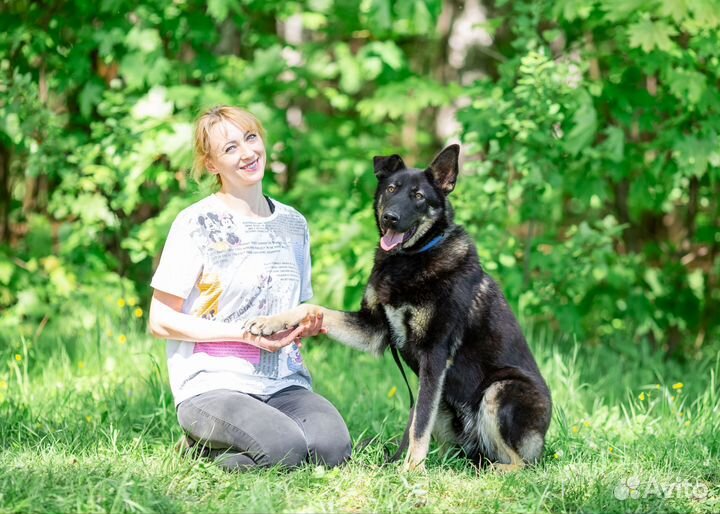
[{"x": 241, "y": 431}]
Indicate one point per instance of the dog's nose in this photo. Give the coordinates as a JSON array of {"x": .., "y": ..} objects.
[{"x": 390, "y": 218}]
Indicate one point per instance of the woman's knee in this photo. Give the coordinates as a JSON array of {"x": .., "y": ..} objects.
[
  {"x": 291, "y": 451},
  {"x": 331, "y": 445}
]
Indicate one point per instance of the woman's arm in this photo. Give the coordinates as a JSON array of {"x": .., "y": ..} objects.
[{"x": 167, "y": 321}]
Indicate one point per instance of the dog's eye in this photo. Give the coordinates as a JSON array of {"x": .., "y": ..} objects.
[
  {"x": 391, "y": 189},
  {"x": 419, "y": 196}
]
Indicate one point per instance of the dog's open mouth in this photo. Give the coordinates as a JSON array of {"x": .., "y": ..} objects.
[{"x": 392, "y": 239}]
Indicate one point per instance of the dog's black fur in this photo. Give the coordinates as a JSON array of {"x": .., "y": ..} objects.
[{"x": 430, "y": 298}]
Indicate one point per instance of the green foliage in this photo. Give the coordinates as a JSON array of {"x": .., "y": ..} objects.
[
  {"x": 599, "y": 175},
  {"x": 592, "y": 163}
]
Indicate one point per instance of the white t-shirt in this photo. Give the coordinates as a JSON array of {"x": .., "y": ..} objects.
[{"x": 229, "y": 268}]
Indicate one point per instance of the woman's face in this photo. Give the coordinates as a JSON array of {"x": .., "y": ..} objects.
[{"x": 236, "y": 155}]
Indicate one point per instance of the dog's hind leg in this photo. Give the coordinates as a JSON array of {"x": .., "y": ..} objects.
[{"x": 512, "y": 420}]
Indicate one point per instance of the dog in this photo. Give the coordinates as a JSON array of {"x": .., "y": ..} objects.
[{"x": 429, "y": 297}]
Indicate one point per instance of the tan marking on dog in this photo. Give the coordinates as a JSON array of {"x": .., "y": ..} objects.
[
  {"x": 420, "y": 232},
  {"x": 371, "y": 298},
  {"x": 421, "y": 317},
  {"x": 396, "y": 318},
  {"x": 531, "y": 447},
  {"x": 488, "y": 427},
  {"x": 420, "y": 444}
]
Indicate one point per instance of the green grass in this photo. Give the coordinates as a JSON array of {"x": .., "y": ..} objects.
[{"x": 87, "y": 424}]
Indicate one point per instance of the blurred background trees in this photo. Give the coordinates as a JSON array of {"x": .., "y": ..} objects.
[{"x": 589, "y": 131}]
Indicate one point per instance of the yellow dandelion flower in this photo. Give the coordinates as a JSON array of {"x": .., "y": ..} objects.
[
  {"x": 610, "y": 449},
  {"x": 556, "y": 456},
  {"x": 121, "y": 302},
  {"x": 392, "y": 392},
  {"x": 657, "y": 386},
  {"x": 18, "y": 357},
  {"x": 587, "y": 424},
  {"x": 81, "y": 365},
  {"x": 109, "y": 333},
  {"x": 642, "y": 397},
  {"x": 678, "y": 386},
  {"x": 132, "y": 302},
  {"x": 88, "y": 418},
  {"x": 122, "y": 339},
  {"x": 3, "y": 384},
  {"x": 138, "y": 312},
  {"x": 575, "y": 429}
]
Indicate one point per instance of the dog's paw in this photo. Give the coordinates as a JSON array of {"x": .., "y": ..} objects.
[
  {"x": 411, "y": 466},
  {"x": 504, "y": 469},
  {"x": 264, "y": 325}
]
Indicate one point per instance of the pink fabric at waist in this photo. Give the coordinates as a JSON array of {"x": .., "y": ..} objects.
[{"x": 230, "y": 349}]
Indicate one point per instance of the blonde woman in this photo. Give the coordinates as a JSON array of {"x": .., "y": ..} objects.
[{"x": 245, "y": 401}]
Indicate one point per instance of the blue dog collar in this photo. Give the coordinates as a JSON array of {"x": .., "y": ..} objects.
[{"x": 432, "y": 244}]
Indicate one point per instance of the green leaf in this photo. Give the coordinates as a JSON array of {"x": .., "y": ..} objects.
[
  {"x": 614, "y": 145},
  {"x": 584, "y": 125},
  {"x": 676, "y": 9},
  {"x": 620, "y": 10},
  {"x": 686, "y": 85},
  {"x": 90, "y": 96},
  {"x": 650, "y": 35},
  {"x": 573, "y": 9},
  {"x": 219, "y": 9}
]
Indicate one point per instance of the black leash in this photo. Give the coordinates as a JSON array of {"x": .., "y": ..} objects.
[
  {"x": 406, "y": 436},
  {"x": 396, "y": 356}
]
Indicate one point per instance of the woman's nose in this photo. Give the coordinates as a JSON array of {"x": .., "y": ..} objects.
[{"x": 245, "y": 151}]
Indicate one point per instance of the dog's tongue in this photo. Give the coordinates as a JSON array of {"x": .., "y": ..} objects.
[{"x": 391, "y": 239}]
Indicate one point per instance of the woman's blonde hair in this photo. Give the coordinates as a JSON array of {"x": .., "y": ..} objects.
[{"x": 207, "y": 120}]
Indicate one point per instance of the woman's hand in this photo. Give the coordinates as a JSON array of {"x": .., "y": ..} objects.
[
  {"x": 278, "y": 340},
  {"x": 308, "y": 327},
  {"x": 313, "y": 325}
]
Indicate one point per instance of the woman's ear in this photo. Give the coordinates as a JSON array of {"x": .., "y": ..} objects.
[{"x": 210, "y": 166}]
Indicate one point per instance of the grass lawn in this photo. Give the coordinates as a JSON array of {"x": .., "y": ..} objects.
[{"x": 88, "y": 425}]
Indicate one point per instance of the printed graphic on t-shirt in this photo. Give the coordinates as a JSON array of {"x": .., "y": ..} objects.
[
  {"x": 210, "y": 292},
  {"x": 219, "y": 229},
  {"x": 294, "y": 359}
]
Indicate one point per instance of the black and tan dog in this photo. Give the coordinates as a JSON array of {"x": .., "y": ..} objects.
[{"x": 429, "y": 297}]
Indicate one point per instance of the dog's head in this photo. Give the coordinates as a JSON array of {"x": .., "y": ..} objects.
[{"x": 409, "y": 202}]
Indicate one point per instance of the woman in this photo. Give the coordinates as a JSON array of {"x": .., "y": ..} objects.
[{"x": 246, "y": 400}]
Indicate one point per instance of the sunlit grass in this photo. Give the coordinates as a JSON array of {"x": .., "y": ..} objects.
[{"x": 87, "y": 424}]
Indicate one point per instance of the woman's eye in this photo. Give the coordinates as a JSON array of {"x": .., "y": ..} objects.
[
  {"x": 251, "y": 137},
  {"x": 419, "y": 196},
  {"x": 391, "y": 189},
  {"x": 230, "y": 148}
]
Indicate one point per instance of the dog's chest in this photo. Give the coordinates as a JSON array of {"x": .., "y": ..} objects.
[{"x": 407, "y": 322}]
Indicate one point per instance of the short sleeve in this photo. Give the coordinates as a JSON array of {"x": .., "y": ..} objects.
[
  {"x": 306, "y": 291},
  {"x": 181, "y": 261}
]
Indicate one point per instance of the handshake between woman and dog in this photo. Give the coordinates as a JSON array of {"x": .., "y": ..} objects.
[{"x": 430, "y": 299}]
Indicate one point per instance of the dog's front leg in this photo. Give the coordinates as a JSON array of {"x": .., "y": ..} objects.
[{"x": 433, "y": 367}]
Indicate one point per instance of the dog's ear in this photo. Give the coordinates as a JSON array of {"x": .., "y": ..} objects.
[
  {"x": 386, "y": 166},
  {"x": 444, "y": 168}
]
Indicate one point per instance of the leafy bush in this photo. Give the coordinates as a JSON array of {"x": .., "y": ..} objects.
[{"x": 591, "y": 161}]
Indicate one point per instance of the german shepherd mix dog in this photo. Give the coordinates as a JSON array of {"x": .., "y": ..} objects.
[{"x": 429, "y": 297}]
